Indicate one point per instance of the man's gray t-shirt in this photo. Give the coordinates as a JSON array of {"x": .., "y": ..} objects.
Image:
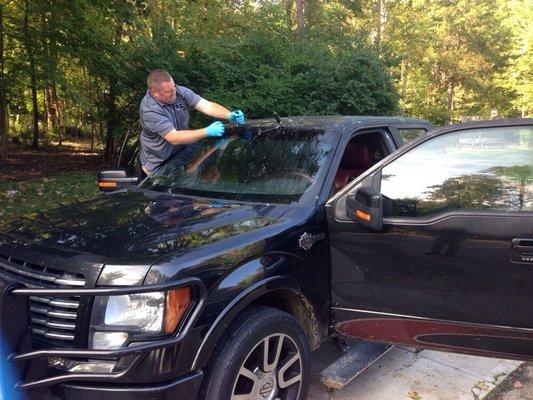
[{"x": 157, "y": 119}]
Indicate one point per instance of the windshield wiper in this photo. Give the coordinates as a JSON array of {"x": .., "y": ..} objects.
[
  {"x": 278, "y": 119},
  {"x": 277, "y": 127}
]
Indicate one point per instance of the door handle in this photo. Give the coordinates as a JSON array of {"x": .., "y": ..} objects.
[{"x": 522, "y": 250}]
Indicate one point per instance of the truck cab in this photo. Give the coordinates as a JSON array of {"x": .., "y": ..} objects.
[{"x": 215, "y": 276}]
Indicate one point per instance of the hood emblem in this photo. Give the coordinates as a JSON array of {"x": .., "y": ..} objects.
[{"x": 307, "y": 240}]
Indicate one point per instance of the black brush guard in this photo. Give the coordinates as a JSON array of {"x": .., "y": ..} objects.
[{"x": 72, "y": 353}]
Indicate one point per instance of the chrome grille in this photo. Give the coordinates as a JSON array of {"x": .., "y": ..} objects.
[{"x": 52, "y": 319}]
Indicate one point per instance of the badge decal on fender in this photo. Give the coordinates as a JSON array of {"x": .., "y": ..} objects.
[{"x": 307, "y": 240}]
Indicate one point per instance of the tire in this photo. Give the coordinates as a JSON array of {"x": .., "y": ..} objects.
[{"x": 237, "y": 369}]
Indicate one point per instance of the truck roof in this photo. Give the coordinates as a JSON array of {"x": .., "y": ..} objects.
[{"x": 329, "y": 122}]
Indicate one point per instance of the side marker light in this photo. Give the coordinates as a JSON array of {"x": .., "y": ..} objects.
[
  {"x": 363, "y": 215},
  {"x": 107, "y": 184}
]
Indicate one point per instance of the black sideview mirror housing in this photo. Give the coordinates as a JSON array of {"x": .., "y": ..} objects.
[
  {"x": 115, "y": 179},
  {"x": 366, "y": 207}
]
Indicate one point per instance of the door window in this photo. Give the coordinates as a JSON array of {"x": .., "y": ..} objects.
[
  {"x": 409, "y": 134},
  {"x": 486, "y": 169}
]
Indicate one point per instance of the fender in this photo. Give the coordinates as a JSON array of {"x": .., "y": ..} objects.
[{"x": 242, "y": 300}]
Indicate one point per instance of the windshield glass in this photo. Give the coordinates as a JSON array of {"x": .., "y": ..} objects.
[{"x": 249, "y": 164}]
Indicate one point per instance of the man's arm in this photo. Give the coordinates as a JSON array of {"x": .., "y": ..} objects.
[
  {"x": 212, "y": 109},
  {"x": 185, "y": 136},
  {"x": 216, "y": 129}
]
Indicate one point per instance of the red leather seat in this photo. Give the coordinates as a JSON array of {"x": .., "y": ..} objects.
[{"x": 357, "y": 158}]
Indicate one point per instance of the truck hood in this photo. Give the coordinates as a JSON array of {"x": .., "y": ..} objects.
[{"x": 141, "y": 227}]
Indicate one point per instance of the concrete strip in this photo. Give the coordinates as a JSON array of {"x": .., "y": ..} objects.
[{"x": 405, "y": 374}]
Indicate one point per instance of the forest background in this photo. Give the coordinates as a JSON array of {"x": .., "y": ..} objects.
[{"x": 77, "y": 68}]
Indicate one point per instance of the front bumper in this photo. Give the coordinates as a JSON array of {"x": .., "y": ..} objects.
[
  {"x": 113, "y": 382},
  {"x": 185, "y": 388}
]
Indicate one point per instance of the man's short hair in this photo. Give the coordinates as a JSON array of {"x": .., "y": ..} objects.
[{"x": 156, "y": 77}]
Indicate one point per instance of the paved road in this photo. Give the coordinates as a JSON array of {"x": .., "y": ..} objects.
[{"x": 427, "y": 375}]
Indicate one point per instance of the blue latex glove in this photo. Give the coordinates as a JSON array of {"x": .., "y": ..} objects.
[
  {"x": 236, "y": 116},
  {"x": 216, "y": 129}
]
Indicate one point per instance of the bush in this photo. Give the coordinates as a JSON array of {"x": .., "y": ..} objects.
[{"x": 263, "y": 75}]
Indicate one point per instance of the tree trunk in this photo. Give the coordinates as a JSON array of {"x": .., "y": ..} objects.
[
  {"x": 112, "y": 113},
  {"x": 35, "y": 105},
  {"x": 93, "y": 131},
  {"x": 450, "y": 90},
  {"x": 112, "y": 121},
  {"x": 4, "y": 125},
  {"x": 288, "y": 10},
  {"x": 378, "y": 11},
  {"x": 300, "y": 17},
  {"x": 405, "y": 60},
  {"x": 45, "y": 117},
  {"x": 51, "y": 50},
  {"x": 51, "y": 109},
  {"x": 404, "y": 75},
  {"x": 33, "y": 77},
  {"x": 55, "y": 100}
]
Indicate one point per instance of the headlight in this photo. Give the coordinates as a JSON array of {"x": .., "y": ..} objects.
[
  {"x": 141, "y": 312},
  {"x": 115, "y": 318}
]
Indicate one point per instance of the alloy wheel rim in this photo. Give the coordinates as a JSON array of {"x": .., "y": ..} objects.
[{"x": 272, "y": 370}]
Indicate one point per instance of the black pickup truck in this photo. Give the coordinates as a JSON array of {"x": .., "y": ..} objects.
[{"x": 214, "y": 277}]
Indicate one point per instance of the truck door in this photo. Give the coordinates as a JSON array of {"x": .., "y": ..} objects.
[{"x": 448, "y": 261}]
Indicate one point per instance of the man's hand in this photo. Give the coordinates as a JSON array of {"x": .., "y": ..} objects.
[
  {"x": 216, "y": 129},
  {"x": 236, "y": 116}
]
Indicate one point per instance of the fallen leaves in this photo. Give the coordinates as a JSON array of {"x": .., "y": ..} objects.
[
  {"x": 18, "y": 198},
  {"x": 412, "y": 394},
  {"x": 11, "y": 193},
  {"x": 518, "y": 385},
  {"x": 482, "y": 385}
]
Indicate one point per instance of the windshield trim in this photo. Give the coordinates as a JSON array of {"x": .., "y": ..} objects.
[{"x": 233, "y": 201}]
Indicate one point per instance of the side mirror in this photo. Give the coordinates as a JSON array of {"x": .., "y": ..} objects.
[
  {"x": 115, "y": 179},
  {"x": 366, "y": 207}
]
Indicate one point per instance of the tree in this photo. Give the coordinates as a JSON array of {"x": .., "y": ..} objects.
[
  {"x": 27, "y": 38},
  {"x": 4, "y": 122}
]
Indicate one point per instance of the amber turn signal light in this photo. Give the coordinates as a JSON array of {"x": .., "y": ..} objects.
[
  {"x": 363, "y": 215},
  {"x": 107, "y": 184},
  {"x": 177, "y": 302}
]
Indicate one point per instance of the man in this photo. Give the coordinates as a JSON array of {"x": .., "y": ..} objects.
[{"x": 164, "y": 118}]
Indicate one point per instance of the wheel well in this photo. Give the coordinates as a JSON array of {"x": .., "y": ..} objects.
[{"x": 299, "y": 306}]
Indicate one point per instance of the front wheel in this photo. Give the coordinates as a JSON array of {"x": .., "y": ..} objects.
[{"x": 265, "y": 356}]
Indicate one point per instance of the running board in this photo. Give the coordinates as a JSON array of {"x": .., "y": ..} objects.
[{"x": 357, "y": 359}]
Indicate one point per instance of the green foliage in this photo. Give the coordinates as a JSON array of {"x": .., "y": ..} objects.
[
  {"x": 97, "y": 55},
  {"x": 441, "y": 60},
  {"x": 262, "y": 75},
  {"x": 457, "y": 58},
  {"x": 37, "y": 195}
]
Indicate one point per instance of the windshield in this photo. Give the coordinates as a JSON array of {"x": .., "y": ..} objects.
[{"x": 279, "y": 165}]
